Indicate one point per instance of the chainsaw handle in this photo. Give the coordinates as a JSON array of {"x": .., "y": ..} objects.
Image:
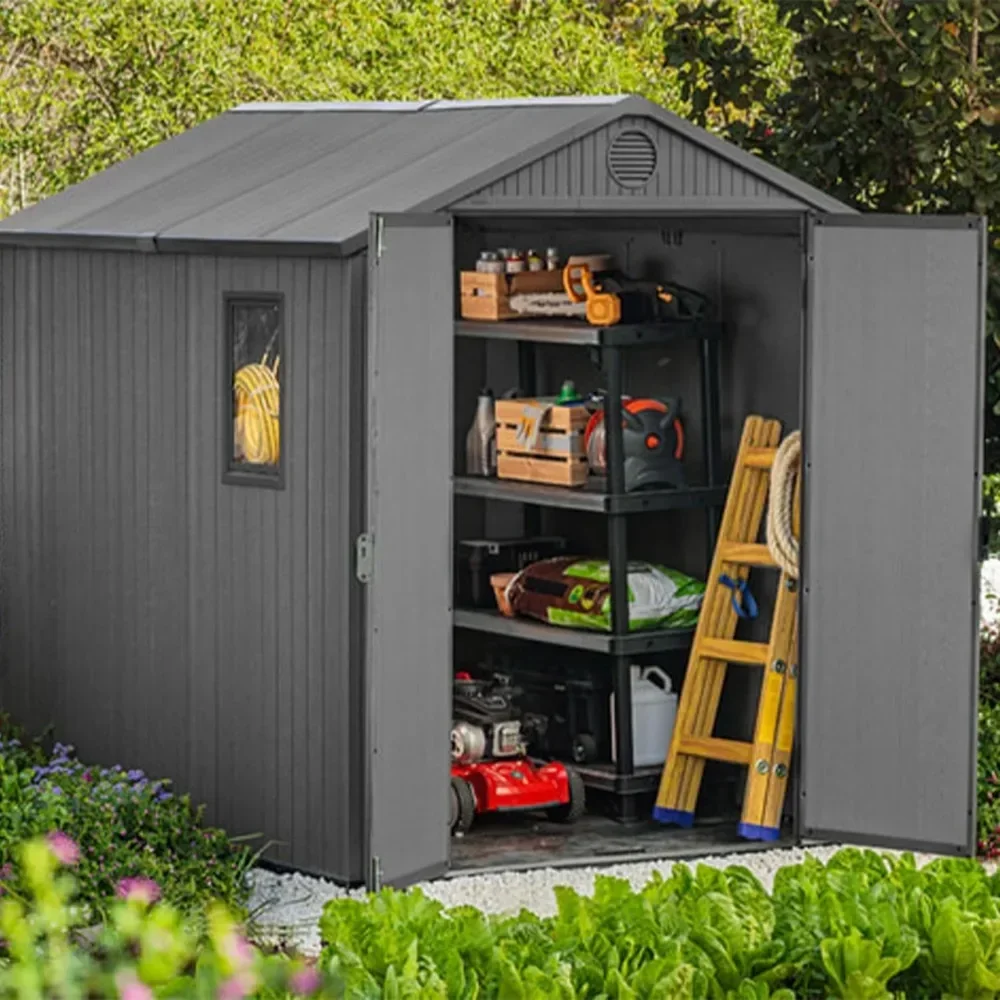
[{"x": 586, "y": 278}]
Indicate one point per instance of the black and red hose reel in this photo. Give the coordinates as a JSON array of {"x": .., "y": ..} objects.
[{"x": 652, "y": 444}]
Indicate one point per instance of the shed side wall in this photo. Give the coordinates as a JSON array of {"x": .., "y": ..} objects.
[{"x": 159, "y": 618}]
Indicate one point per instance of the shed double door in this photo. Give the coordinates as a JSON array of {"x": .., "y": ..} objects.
[{"x": 892, "y": 389}]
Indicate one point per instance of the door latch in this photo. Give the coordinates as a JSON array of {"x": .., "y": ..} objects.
[{"x": 364, "y": 557}]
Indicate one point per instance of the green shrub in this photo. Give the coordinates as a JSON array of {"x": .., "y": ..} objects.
[
  {"x": 126, "y": 825},
  {"x": 143, "y": 949},
  {"x": 862, "y": 926},
  {"x": 988, "y": 776}
]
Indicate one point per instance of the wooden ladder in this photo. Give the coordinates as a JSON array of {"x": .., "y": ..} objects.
[{"x": 768, "y": 757}]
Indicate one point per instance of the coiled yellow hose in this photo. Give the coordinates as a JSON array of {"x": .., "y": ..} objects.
[{"x": 258, "y": 420}]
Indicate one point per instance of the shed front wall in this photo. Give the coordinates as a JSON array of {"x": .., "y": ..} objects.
[{"x": 159, "y": 618}]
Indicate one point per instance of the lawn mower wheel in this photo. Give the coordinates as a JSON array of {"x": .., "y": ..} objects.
[
  {"x": 571, "y": 811},
  {"x": 463, "y": 806}
]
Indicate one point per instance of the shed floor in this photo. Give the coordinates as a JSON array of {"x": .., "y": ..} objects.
[{"x": 524, "y": 842}]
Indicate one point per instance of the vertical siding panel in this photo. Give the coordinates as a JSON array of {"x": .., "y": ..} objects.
[
  {"x": 323, "y": 336},
  {"x": 127, "y": 599},
  {"x": 280, "y": 581},
  {"x": 52, "y": 277},
  {"x": 68, "y": 457},
  {"x": 295, "y": 278},
  {"x": 61, "y": 543},
  {"x": 178, "y": 466},
  {"x": 156, "y": 557},
  {"x": 201, "y": 350},
  {"x": 346, "y": 749},
  {"x": 32, "y": 448}
]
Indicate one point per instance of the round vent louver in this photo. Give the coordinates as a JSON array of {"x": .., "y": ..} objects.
[{"x": 632, "y": 158}]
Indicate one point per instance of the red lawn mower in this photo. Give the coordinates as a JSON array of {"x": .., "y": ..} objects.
[{"x": 491, "y": 771}]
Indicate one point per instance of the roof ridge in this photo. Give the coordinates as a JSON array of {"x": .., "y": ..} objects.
[{"x": 437, "y": 104}]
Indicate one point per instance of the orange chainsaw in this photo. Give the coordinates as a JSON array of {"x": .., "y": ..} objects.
[{"x": 613, "y": 297}]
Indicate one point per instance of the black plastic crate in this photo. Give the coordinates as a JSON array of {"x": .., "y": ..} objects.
[{"x": 478, "y": 559}]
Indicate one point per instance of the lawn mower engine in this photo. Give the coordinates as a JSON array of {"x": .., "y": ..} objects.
[{"x": 490, "y": 768}]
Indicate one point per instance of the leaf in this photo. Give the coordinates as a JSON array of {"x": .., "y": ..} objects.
[{"x": 511, "y": 987}]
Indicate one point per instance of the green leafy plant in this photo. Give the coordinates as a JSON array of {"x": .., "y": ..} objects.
[
  {"x": 861, "y": 927},
  {"x": 127, "y": 826},
  {"x": 144, "y": 948}
]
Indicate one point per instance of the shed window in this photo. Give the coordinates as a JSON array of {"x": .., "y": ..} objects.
[{"x": 254, "y": 389}]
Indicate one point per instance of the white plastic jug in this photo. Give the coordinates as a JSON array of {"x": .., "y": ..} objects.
[{"x": 654, "y": 708}]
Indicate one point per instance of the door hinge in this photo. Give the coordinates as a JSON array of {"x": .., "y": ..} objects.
[
  {"x": 375, "y": 875},
  {"x": 364, "y": 557},
  {"x": 379, "y": 237}
]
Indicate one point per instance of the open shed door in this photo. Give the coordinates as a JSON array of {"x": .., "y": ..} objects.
[
  {"x": 892, "y": 443},
  {"x": 409, "y": 637}
]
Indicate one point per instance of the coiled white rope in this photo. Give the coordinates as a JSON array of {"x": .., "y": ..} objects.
[{"x": 781, "y": 540}]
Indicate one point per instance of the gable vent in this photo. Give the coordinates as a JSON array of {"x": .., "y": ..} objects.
[{"x": 632, "y": 158}]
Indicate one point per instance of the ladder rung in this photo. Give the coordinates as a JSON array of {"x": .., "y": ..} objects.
[
  {"x": 759, "y": 458},
  {"x": 734, "y": 651},
  {"x": 712, "y": 748},
  {"x": 746, "y": 554}
]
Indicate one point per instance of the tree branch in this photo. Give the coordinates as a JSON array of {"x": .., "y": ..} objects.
[{"x": 877, "y": 11}]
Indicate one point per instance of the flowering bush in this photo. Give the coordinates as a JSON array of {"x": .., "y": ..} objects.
[
  {"x": 143, "y": 949},
  {"x": 988, "y": 805},
  {"x": 127, "y": 826}
]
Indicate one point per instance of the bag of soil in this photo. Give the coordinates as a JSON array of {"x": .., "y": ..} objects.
[{"x": 576, "y": 593}]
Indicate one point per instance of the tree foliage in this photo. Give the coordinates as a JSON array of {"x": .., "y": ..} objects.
[
  {"x": 892, "y": 106},
  {"x": 86, "y": 83}
]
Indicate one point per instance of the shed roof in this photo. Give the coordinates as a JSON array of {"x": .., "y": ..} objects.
[{"x": 305, "y": 177}]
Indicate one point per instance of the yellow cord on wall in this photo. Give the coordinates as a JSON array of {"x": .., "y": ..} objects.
[{"x": 258, "y": 420}]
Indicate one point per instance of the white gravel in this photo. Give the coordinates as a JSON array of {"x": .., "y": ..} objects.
[{"x": 287, "y": 908}]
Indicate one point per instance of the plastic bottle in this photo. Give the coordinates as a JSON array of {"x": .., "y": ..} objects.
[
  {"x": 654, "y": 708},
  {"x": 480, "y": 441}
]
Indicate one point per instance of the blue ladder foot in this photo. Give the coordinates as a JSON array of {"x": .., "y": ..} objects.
[
  {"x": 750, "y": 831},
  {"x": 673, "y": 817}
]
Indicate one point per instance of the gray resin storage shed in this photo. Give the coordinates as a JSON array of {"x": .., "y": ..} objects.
[{"x": 277, "y": 634}]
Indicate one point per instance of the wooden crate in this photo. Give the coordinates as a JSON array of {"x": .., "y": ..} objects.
[
  {"x": 487, "y": 296},
  {"x": 558, "y": 457}
]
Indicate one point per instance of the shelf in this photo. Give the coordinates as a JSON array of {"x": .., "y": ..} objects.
[
  {"x": 494, "y": 623},
  {"x": 602, "y": 777},
  {"x": 570, "y": 332},
  {"x": 591, "y": 497}
]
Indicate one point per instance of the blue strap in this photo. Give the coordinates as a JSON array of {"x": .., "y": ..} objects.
[{"x": 745, "y": 608}]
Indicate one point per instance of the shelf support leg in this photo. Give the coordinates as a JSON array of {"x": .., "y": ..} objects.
[
  {"x": 618, "y": 560},
  {"x": 711, "y": 394},
  {"x": 527, "y": 376}
]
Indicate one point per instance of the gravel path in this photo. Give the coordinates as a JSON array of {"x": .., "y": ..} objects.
[{"x": 287, "y": 908}]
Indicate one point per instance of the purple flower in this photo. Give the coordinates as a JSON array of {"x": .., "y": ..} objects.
[
  {"x": 63, "y": 847},
  {"x": 6, "y": 871},
  {"x": 139, "y": 888},
  {"x": 134, "y": 775},
  {"x": 305, "y": 982},
  {"x": 87, "y": 777}
]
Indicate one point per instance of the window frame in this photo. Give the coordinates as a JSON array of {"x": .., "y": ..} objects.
[{"x": 243, "y": 474}]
